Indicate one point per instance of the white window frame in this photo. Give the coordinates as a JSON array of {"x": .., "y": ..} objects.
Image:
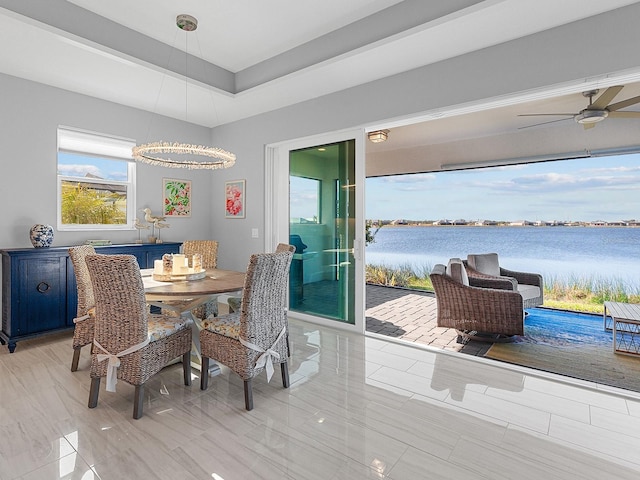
[{"x": 83, "y": 142}]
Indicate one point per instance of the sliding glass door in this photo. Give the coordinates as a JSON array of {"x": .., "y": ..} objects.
[
  {"x": 325, "y": 224},
  {"x": 321, "y": 226}
]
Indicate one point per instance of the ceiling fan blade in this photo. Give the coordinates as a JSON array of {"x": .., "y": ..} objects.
[
  {"x": 543, "y": 123},
  {"x": 587, "y": 126},
  {"x": 624, "y": 114},
  {"x": 625, "y": 103},
  {"x": 603, "y": 100},
  {"x": 546, "y": 114}
]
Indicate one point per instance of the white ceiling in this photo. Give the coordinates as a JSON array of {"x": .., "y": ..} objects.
[{"x": 251, "y": 56}]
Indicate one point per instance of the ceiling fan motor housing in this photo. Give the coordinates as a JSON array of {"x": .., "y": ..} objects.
[{"x": 591, "y": 116}]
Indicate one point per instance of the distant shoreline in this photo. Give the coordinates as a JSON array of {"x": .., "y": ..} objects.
[{"x": 580, "y": 225}]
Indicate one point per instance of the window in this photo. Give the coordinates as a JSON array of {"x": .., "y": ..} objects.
[
  {"x": 96, "y": 181},
  {"x": 305, "y": 199}
]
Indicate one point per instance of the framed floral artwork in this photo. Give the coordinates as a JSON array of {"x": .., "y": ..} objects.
[
  {"x": 176, "y": 197},
  {"x": 234, "y": 192}
]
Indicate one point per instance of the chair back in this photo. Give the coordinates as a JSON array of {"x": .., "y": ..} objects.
[
  {"x": 264, "y": 299},
  {"x": 284, "y": 247},
  {"x": 86, "y": 298},
  {"x": 121, "y": 310},
  {"x": 207, "y": 248}
]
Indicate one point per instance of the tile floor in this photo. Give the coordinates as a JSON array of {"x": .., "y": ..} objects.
[{"x": 359, "y": 407}]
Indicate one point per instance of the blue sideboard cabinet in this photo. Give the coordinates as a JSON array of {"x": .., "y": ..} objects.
[{"x": 39, "y": 293}]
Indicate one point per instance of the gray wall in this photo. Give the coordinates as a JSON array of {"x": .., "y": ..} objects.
[
  {"x": 29, "y": 118},
  {"x": 556, "y": 56}
]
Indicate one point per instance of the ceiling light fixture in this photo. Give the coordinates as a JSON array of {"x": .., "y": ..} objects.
[
  {"x": 200, "y": 157},
  {"x": 378, "y": 136},
  {"x": 591, "y": 116}
]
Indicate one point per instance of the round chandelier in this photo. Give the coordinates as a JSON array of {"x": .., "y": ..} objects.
[
  {"x": 150, "y": 153},
  {"x": 199, "y": 157}
]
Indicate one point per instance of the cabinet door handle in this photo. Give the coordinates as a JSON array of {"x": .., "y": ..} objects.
[{"x": 43, "y": 287}]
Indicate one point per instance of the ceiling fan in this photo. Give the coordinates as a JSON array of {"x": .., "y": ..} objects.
[{"x": 596, "y": 111}]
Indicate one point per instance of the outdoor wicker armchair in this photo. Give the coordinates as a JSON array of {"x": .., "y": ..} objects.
[
  {"x": 85, "y": 313},
  {"x": 484, "y": 271},
  {"x": 254, "y": 338},
  {"x": 130, "y": 343},
  {"x": 477, "y": 313}
]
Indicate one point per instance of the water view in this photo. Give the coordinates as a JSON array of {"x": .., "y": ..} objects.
[{"x": 608, "y": 253}]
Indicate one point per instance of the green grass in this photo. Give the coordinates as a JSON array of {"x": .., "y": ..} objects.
[
  {"x": 587, "y": 293},
  {"x": 577, "y": 293},
  {"x": 402, "y": 276}
]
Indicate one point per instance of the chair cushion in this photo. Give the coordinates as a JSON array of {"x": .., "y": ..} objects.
[
  {"x": 486, "y": 263},
  {"x": 227, "y": 325},
  {"x": 528, "y": 291},
  {"x": 161, "y": 326},
  {"x": 456, "y": 270}
]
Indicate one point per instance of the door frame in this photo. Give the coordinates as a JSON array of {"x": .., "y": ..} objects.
[{"x": 276, "y": 205}]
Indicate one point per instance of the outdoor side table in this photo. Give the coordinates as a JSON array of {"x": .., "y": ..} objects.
[{"x": 625, "y": 323}]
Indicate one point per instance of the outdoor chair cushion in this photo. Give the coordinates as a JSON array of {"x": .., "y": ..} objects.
[
  {"x": 486, "y": 263},
  {"x": 528, "y": 291},
  {"x": 456, "y": 270}
]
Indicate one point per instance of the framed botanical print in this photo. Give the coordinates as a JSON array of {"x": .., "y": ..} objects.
[
  {"x": 176, "y": 200},
  {"x": 234, "y": 192}
]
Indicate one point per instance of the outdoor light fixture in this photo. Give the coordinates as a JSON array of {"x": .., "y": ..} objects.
[
  {"x": 200, "y": 157},
  {"x": 378, "y": 136},
  {"x": 591, "y": 116}
]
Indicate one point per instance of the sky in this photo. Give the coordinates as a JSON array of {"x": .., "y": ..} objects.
[
  {"x": 73, "y": 165},
  {"x": 604, "y": 188}
]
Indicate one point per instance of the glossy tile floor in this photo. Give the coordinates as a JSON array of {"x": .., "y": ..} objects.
[{"x": 358, "y": 408}]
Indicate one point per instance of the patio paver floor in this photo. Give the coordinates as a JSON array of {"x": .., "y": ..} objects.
[{"x": 410, "y": 315}]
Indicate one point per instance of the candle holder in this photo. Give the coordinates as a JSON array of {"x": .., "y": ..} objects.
[{"x": 175, "y": 267}]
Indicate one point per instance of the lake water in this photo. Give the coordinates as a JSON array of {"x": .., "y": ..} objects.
[{"x": 608, "y": 253}]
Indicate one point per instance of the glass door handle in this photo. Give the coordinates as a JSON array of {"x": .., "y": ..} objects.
[{"x": 357, "y": 249}]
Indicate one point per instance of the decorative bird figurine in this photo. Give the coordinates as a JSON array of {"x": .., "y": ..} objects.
[
  {"x": 139, "y": 225},
  {"x": 151, "y": 218},
  {"x": 160, "y": 225}
]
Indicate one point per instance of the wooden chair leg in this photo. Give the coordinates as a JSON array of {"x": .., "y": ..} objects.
[
  {"x": 138, "y": 401},
  {"x": 186, "y": 368},
  {"x": 93, "y": 392},
  {"x": 204, "y": 373},
  {"x": 248, "y": 395},
  {"x": 76, "y": 359},
  {"x": 284, "y": 369}
]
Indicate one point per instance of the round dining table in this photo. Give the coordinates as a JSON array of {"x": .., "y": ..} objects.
[{"x": 182, "y": 296}]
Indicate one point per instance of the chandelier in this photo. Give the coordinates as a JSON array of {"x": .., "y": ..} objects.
[{"x": 200, "y": 157}]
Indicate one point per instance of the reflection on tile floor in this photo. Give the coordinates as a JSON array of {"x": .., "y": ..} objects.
[{"x": 359, "y": 407}]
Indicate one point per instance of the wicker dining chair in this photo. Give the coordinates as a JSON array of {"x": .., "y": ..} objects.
[
  {"x": 253, "y": 339},
  {"x": 85, "y": 313},
  {"x": 209, "y": 251},
  {"x": 130, "y": 343},
  {"x": 235, "y": 302}
]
